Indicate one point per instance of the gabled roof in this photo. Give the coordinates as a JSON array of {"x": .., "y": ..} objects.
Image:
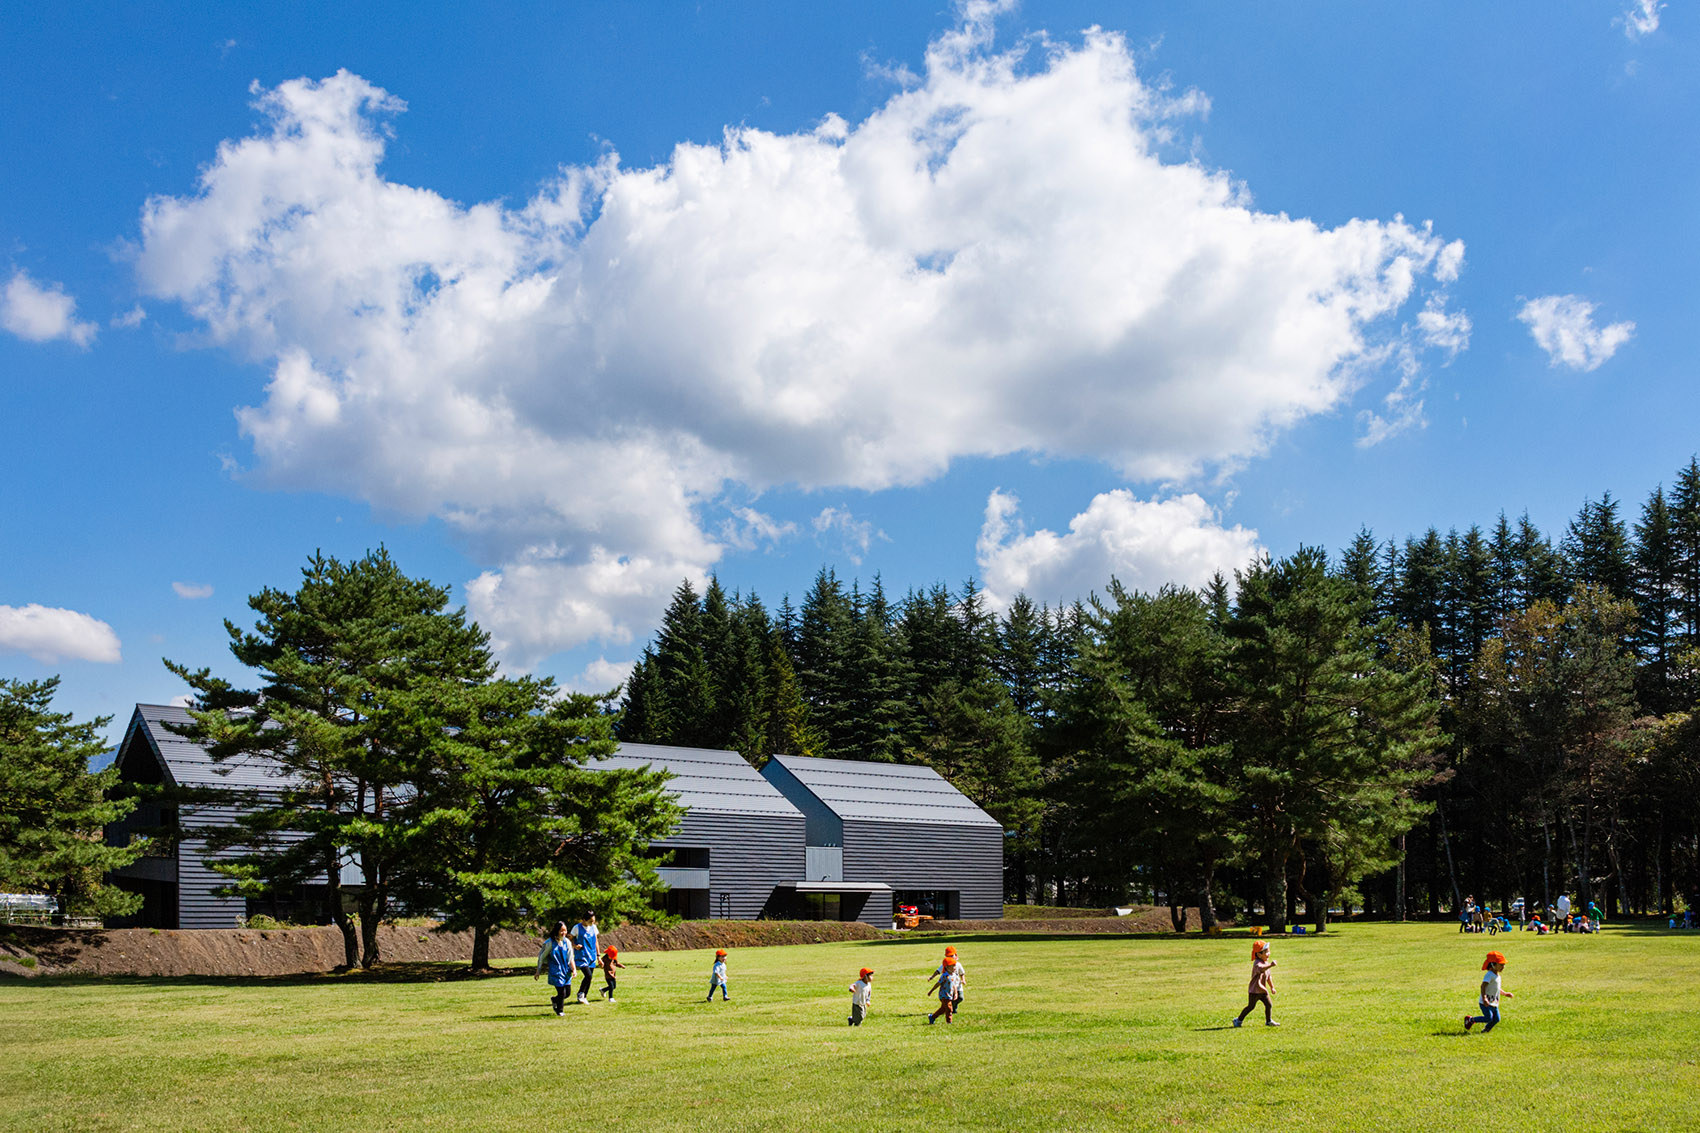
[
  {"x": 187, "y": 763},
  {"x": 884, "y": 792},
  {"x": 706, "y": 780}
]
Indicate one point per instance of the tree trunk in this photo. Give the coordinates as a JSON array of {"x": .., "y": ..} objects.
[
  {"x": 481, "y": 948},
  {"x": 1177, "y": 916},
  {"x": 1546, "y": 870},
  {"x": 1399, "y": 884},
  {"x": 334, "y": 911},
  {"x": 1446, "y": 840},
  {"x": 1206, "y": 905},
  {"x": 1275, "y": 893}
]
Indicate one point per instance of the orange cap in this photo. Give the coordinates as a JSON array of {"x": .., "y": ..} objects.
[
  {"x": 612, "y": 951},
  {"x": 950, "y": 950},
  {"x": 1493, "y": 958},
  {"x": 865, "y": 973},
  {"x": 1259, "y": 947},
  {"x": 720, "y": 951}
]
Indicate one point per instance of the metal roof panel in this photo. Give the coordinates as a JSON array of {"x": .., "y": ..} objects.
[
  {"x": 705, "y": 779},
  {"x": 884, "y": 792}
]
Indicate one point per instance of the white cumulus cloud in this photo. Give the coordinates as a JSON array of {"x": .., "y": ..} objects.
[
  {"x": 599, "y": 676},
  {"x": 1642, "y": 18},
  {"x": 38, "y": 313},
  {"x": 1563, "y": 326},
  {"x": 193, "y": 589},
  {"x": 998, "y": 259},
  {"x": 51, "y": 634},
  {"x": 1144, "y": 543}
]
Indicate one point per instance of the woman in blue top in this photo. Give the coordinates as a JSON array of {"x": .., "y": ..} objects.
[
  {"x": 585, "y": 953},
  {"x": 556, "y": 958}
]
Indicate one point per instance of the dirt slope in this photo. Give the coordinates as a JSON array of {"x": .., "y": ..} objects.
[{"x": 26, "y": 951}]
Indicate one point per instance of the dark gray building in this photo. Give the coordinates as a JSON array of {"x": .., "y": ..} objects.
[
  {"x": 177, "y": 886},
  {"x": 885, "y": 834},
  {"x": 739, "y": 842},
  {"x": 821, "y": 839}
]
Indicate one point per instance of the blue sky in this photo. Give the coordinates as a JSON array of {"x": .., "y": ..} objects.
[{"x": 566, "y": 304}]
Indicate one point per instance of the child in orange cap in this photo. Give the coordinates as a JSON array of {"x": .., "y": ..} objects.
[
  {"x": 717, "y": 976},
  {"x": 1491, "y": 991},
  {"x": 610, "y": 961},
  {"x": 861, "y": 996},
  {"x": 951, "y": 981},
  {"x": 1262, "y": 987}
]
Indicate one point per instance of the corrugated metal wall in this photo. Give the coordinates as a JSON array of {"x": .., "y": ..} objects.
[
  {"x": 909, "y": 855},
  {"x": 197, "y": 907},
  {"x": 748, "y": 855}
]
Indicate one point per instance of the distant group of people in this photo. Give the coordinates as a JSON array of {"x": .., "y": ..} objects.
[{"x": 1559, "y": 918}]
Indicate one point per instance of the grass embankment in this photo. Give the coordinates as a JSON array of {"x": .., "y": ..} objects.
[{"x": 1068, "y": 1033}]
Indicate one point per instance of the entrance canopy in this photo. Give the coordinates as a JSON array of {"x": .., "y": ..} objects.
[{"x": 835, "y": 886}]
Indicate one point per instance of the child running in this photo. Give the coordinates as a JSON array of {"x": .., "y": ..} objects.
[
  {"x": 1262, "y": 987},
  {"x": 556, "y": 958},
  {"x": 951, "y": 982},
  {"x": 610, "y": 961},
  {"x": 861, "y": 996},
  {"x": 717, "y": 976},
  {"x": 1491, "y": 991}
]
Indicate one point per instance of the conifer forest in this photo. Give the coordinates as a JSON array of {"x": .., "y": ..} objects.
[{"x": 1383, "y": 728}]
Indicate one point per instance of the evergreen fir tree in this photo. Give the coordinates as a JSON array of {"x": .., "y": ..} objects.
[
  {"x": 1596, "y": 548},
  {"x": 681, "y": 707},
  {"x": 1657, "y": 601},
  {"x": 1685, "y": 534}
]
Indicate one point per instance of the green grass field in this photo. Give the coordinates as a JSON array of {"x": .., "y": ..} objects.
[{"x": 1056, "y": 1033}]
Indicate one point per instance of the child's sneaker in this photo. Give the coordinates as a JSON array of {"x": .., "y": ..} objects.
[
  {"x": 610, "y": 999},
  {"x": 1237, "y": 1022},
  {"x": 581, "y": 998},
  {"x": 1469, "y": 1021},
  {"x": 1270, "y": 1023}
]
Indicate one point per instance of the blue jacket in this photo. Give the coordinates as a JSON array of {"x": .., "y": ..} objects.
[
  {"x": 584, "y": 950},
  {"x": 559, "y": 958}
]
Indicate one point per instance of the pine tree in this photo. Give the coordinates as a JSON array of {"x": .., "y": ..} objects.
[
  {"x": 1330, "y": 741},
  {"x": 52, "y": 808},
  {"x": 342, "y": 661},
  {"x": 517, "y": 824}
]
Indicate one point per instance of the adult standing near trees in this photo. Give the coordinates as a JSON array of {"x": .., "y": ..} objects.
[{"x": 585, "y": 952}]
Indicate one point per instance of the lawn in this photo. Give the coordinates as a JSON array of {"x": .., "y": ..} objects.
[{"x": 1056, "y": 1033}]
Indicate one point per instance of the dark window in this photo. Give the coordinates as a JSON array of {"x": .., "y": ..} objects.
[{"x": 682, "y": 857}]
